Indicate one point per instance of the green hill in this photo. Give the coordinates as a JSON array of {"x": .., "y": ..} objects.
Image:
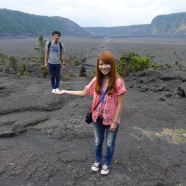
[
  {"x": 15, "y": 22},
  {"x": 119, "y": 31},
  {"x": 172, "y": 25}
]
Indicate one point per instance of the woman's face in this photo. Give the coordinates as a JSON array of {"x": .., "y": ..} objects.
[{"x": 104, "y": 67}]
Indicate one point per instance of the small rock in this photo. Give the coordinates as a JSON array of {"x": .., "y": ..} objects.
[
  {"x": 168, "y": 94},
  {"x": 161, "y": 99}
]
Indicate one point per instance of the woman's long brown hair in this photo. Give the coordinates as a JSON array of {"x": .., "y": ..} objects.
[{"x": 107, "y": 58}]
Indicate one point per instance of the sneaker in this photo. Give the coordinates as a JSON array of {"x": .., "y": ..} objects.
[
  {"x": 105, "y": 169},
  {"x": 57, "y": 90},
  {"x": 53, "y": 90},
  {"x": 95, "y": 167}
]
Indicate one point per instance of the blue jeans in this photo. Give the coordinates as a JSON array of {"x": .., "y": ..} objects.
[
  {"x": 54, "y": 70},
  {"x": 100, "y": 131}
]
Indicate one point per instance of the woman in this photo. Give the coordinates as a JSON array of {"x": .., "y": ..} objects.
[{"x": 108, "y": 90}]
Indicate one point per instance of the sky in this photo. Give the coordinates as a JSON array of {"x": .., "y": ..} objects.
[{"x": 95, "y": 13}]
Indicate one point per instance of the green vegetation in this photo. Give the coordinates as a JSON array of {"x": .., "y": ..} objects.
[
  {"x": 16, "y": 22},
  {"x": 65, "y": 76},
  {"x": 3, "y": 59},
  {"x": 173, "y": 136},
  {"x": 22, "y": 71},
  {"x": 44, "y": 71},
  {"x": 36, "y": 59},
  {"x": 130, "y": 62},
  {"x": 179, "y": 184},
  {"x": 163, "y": 25},
  {"x": 75, "y": 62},
  {"x": 41, "y": 49},
  {"x": 155, "y": 65},
  {"x": 169, "y": 24},
  {"x": 167, "y": 65},
  {"x": 13, "y": 63},
  {"x": 84, "y": 59}
]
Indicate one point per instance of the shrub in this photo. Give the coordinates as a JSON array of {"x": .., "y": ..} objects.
[
  {"x": 44, "y": 71},
  {"x": 93, "y": 73},
  {"x": 83, "y": 60},
  {"x": 3, "y": 59},
  {"x": 83, "y": 72},
  {"x": 75, "y": 62},
  {"x": 22, "y": 71},
  {"x": 155, "y": 65},
  {"x": 41, "y": 49},
  {"x": 130, "y": 62},
  {"x": 65, "y": 76},
  {"x": 176, "y": 63},
  {"x": 167, "y": 65},
  {"x": 13, "y": 62}
]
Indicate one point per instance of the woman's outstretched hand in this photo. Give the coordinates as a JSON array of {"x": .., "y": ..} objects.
[{"x": 60, "y": 92}]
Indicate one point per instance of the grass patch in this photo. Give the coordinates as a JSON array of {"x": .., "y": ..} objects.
[
  {"x": 176, "y": 136},
  {"x": 65, "y": 77}
]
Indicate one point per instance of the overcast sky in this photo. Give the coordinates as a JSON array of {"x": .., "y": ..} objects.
[{"x": 99, "y": 12}]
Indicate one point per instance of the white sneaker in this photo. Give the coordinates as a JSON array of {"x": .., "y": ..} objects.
[
  {"x": 57, "y": 90},
  {"x": 53, "y": 90},
  {"x": 105, "y": 169},
  {"x": 95, "y": 167}
]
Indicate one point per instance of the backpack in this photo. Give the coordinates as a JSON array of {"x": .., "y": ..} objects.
[{"x": 49, "y": 44}]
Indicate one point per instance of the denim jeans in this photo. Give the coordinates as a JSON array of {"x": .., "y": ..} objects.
[
  {"x": 100, "y": 131},
  {"x": 54, "y": 70}
]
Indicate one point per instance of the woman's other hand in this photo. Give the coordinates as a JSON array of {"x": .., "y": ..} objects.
[{"x": 113, "y": 127}]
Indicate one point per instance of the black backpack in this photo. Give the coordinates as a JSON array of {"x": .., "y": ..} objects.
[{"x": 49, "y": 44}]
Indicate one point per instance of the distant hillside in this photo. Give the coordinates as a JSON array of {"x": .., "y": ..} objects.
[
  {"x": 119, "y": 31},
  {"x": 172, "y": 25},
  {"x": 15, "y": 22}
]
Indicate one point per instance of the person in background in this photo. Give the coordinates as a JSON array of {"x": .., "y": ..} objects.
[
  {"x": 55, "y": 59},
  {"x": 108, "y": 90}
]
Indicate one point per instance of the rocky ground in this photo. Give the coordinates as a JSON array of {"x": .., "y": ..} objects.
[{"x": 44, "y": 140}]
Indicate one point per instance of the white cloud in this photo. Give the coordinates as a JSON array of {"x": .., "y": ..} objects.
[{"x": 99, "y": 12}]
